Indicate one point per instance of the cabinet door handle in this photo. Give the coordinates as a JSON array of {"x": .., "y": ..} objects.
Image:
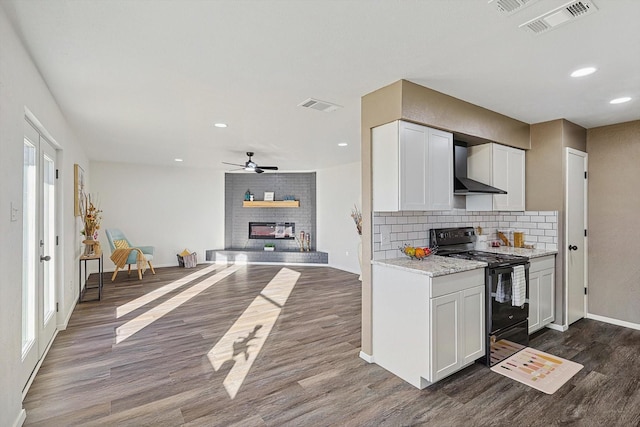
[
  {"x": 45, "y": 258},
  {"x": 573, "y": 248}
]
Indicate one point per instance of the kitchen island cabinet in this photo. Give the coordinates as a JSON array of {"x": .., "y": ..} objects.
[
  {"x": 542, "y": 282},
  {"x": 412, "y": 167},
  {"x": 426, "y": 328}
]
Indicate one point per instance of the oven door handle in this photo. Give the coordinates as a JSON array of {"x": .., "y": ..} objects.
[{"x": 504, "y": 270}]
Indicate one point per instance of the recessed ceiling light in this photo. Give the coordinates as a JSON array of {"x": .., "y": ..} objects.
[
  {"x": 220, "y": 125},
  {"x": 620, "y": 100},
  {"x": 583, "y": 72},
  {"x": 178, "y": 160},
  {"x": 342, "y": 144}
]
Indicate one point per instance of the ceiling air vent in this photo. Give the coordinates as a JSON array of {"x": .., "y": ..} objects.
[
  {"x": 316, "y": 104},
  {"x": 510, "y": 6},
  {"x": 559, "y": 16}
]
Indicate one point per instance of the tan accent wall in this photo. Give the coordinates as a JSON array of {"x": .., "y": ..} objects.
[
  {"x": 574, "y": 136},
  {"x": 432, "y": 108},
  {"x": 377, "y": 108},
  {"x": 409, "y": 101},
  {"x": 545, "y": 184},
  {"x": 614, "y": 208},
  {"x": 544, "y": 181}
]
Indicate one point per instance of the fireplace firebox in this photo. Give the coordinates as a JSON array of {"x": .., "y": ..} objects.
[{"x": 272, "y": 230}]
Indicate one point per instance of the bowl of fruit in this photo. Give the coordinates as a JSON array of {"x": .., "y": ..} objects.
[{"x": 416, "y": 252}]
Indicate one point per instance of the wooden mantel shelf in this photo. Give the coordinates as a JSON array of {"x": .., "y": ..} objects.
[{"x": 273, "y": 204}]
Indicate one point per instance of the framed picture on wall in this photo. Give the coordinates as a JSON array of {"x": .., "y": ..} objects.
[
  {"x": 268, "y": 196},
  {"x": 78, "y": 182}
]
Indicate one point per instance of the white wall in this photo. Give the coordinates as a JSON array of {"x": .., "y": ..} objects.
[
  {"x": 21, "y": 86},
  {"x": 169, "y": 207},
  {"x": 338, "y": 189},
  {"x": 173, "y": 207}
]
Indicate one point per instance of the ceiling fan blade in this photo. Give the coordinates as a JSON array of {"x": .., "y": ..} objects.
[
  {"x": 233, "y": 164},
  {"x": 258, "y": 170},
  {"x": 272, "y": 168}
]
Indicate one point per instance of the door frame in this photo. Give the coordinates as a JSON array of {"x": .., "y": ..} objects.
[
  {"x": 571, "y": 151},
  {"x": 58, "y": 254}
]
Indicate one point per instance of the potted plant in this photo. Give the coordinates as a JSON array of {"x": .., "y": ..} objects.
[{"x": 269, "y": 247}]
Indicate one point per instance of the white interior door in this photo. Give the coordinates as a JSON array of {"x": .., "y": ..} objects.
[
  {"x": 575, "y": 249},
  {"x": 39, "y": 245}
]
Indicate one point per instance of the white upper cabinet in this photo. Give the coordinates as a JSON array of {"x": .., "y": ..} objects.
[
  {"x": 499, "y": 166},
  {"x": 412, "y": 168}
]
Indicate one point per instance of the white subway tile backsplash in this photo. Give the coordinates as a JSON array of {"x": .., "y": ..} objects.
[{"x": 413, "y": 228}]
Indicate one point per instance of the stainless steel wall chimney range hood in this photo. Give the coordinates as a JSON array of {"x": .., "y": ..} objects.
[{"x": 462, "y": 185}]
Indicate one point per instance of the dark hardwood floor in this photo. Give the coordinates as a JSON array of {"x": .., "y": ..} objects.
[{"x": 144, "y": 356}]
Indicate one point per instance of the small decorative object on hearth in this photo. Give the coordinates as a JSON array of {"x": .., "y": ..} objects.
[
  {"x": 301, "y": 241},
  {"x": 308, "y": 239},
  {"x": 270, "y": 247}
]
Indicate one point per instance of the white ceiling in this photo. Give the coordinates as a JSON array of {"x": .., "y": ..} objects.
[{"x": 144, "y": 81}]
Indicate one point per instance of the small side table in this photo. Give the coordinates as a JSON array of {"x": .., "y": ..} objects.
[{"x": 84, "y": 259}]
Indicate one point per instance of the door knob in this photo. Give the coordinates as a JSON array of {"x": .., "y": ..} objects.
[
  {"x": 45, "y": 258},
  {"x": 573, "y": 248}
]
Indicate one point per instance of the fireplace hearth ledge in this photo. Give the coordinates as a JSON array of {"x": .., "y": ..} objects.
[{"x": 261, "y": 256}]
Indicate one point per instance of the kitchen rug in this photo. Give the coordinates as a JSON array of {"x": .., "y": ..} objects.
[{"x": 538, "y": 369}]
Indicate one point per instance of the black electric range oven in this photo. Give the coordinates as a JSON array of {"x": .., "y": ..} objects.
[{"x": 507, "y": 291}]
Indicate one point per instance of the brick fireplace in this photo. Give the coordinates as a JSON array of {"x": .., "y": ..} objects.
[{"x": 273, "y": 225}]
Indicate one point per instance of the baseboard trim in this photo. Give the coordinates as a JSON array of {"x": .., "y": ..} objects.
[
  {"x": 20, "y": 419},
  {"x": 556, "y": 327},
  {"x": 367, "y": 358},
  {"x": 613, "y": 321},
  {"x": 37, "y": 368},
  {"x": 63, "y": 326}
]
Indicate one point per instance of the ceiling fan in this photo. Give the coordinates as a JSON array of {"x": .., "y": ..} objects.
[{"x": 252, "y": 166}]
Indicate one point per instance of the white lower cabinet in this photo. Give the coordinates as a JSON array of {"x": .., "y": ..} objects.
[
  {"x": 425, "y": 328},
  {"x": 457, "y": 331},
  {"x": 542, "y": 283}
]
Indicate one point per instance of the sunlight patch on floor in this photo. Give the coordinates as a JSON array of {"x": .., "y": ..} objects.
[
  {"x": 127, "y": 308},
  {"x": 244, "y": 340},
  {"x": 157, "y": 312}
]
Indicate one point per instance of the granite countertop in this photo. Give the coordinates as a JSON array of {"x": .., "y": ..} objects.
[
  {"x": 531, "y": 253},
  {"x": 434, "y": 265},
  {"x": 431, "y": 266}
]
